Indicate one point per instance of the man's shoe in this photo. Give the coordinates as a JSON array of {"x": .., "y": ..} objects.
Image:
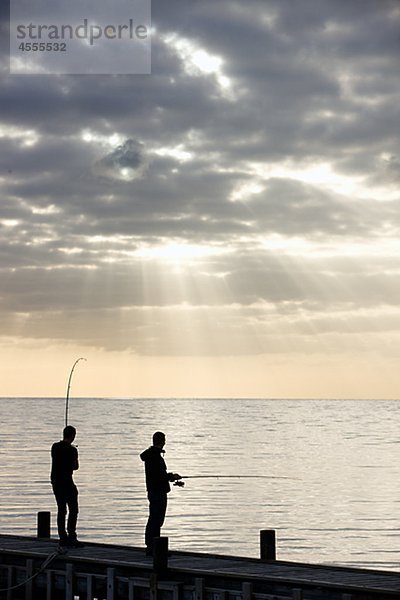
[
  {"x": 63, "y": 542},
  {"x": 74, "y": 543}
]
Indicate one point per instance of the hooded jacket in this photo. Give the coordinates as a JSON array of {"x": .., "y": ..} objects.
[
  {"x": 157, "y": 477},
  {"x": 64, "y": 462}
]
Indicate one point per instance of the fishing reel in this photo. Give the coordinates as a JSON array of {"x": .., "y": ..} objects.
[{"x": 179, "y": 483}]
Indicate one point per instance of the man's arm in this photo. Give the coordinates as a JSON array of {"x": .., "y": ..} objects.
[{"x": 75, "y": 462}]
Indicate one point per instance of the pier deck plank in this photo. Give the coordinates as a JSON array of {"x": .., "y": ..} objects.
[{"x": 246, "y": 569}]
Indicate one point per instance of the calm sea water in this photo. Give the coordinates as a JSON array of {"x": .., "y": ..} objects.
[{"x": 339, "y": 505}]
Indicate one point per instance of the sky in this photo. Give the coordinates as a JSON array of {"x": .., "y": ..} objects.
[{"x": 227, "y": 226}]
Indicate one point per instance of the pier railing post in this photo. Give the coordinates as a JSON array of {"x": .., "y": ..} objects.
[
  {"x": 43, "y": 524},
  {"x": 199, "y": 588},
  {"x": 268, "y": 544},
  {"x": 29, "y": 582}
]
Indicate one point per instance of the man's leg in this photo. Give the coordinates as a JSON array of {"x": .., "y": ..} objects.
[
  {"x": 61, "y": 513},
  {"x": 157, "y": 510},
  {"x": 72, "y": 501}
]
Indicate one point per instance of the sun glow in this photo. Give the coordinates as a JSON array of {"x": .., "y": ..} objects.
[
  {"x": 94, "y": 137},
  {"x": 178, "y": 252},
  {"x": 323, "y": 176},
  {"x": 198, "y": 61}
]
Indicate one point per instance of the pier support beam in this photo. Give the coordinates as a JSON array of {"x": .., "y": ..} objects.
[
  {"x": 268, "y": 544},
  {"x": 110, "y": 583},
  {"x": 69, "y": 581},
  {"x": 29, "y": 582},
  {"x": 200, "y": 588},
  {"x": 247, "y": 590},
  {"x": 43, "y": 524}
]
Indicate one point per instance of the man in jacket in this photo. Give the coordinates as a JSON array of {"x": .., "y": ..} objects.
[
  {"x": 64, "y": 461},
  {"x": 157, "y": 484}
]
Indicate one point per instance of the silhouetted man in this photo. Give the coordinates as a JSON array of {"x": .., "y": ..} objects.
[
  {"x": 157, "y": 483},
  {"x": 64, "y": 462}
]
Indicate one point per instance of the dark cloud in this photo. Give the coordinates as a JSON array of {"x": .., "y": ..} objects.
[{"x": 125, "y": 162}]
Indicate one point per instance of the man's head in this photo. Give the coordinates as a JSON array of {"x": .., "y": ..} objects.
[
  {"x": 159, "y": 439},
  {"x": 69, "y": 433}
]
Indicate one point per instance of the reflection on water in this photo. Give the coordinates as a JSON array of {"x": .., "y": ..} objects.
[{"x": 340, "y": 506}]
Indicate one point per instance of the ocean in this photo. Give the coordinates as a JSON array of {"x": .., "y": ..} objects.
[{"x": 330, "y": 483}]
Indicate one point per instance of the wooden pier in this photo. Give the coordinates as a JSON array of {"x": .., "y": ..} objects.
[{"x": 33, "y": 569}]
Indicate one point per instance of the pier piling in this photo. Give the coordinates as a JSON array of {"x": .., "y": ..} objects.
[
  {"x": 268, "y": 544},
  {"x": 43, "y": 525}
]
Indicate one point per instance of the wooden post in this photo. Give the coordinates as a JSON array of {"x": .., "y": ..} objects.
[
  {"x": 153, "y": 586},
  {"x": 247, "y": 590},
  {"x": 89, "y": 587},
  {"x": 49, "y": 585},
  {"x": 43, "y": 524},
  {"x": 131, "y": 589},
  {"x": 160, "y": 555},
  {"x": 200, "y": 588},
  {"x": 29, "y": 583},
  {"x": 69, "y": 581},
  {"x": 10, "y": 582},
  {"x": 110, "y": 583},
  {"x": 267, "y": 544}
]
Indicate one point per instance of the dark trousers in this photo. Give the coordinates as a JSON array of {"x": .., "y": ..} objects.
[
  {"x": 157, "y": 510},
  {"x": 66, "y": 496}
]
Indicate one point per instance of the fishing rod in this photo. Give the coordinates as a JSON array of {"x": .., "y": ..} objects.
[
  {"x": 68, "y": 388},
  {"x": 181, "y": 483}
]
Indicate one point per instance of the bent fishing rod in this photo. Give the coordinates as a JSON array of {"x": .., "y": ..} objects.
[{"x": 68, "y": 388}]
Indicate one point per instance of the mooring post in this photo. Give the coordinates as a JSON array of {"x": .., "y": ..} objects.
[
  {"x": 43, "y": 524},
  {"x": 268, "y": 544},
  {"x": 160, "y": 555}
]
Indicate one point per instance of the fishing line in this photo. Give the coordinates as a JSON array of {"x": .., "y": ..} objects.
[
  {"x": 239, "y": 476},
  {"x": 180, "y": 483},
  {"x": 42, "y": 567}
]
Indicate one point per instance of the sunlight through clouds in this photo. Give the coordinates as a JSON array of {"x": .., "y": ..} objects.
[
  {"x": 238, "y": 207},
  {"x": 178, "y": 253},
  {"x": 198, "y": 61}
]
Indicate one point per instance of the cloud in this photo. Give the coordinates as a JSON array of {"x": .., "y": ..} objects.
[
  {"x": 126, "y": 162},
  {"x": 267, "y": 130}
]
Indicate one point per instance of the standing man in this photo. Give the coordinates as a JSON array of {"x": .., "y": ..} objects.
[
  {"x": 64, "y": 461},
  {"x": 157, "y": 483}
]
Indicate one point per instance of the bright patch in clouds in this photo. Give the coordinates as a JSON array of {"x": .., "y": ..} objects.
[
  {"x": 322, "y": 176},
  {"x": 27, "y": 137},
  {"x": 178, "y": 252},
  {"x": 94, "y": 137},
  {"x": 177, "y": 152},
  {"x": 198, "y": 61}
]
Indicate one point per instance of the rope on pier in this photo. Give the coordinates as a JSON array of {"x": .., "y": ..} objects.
[{"x": 42, "y": 567}]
